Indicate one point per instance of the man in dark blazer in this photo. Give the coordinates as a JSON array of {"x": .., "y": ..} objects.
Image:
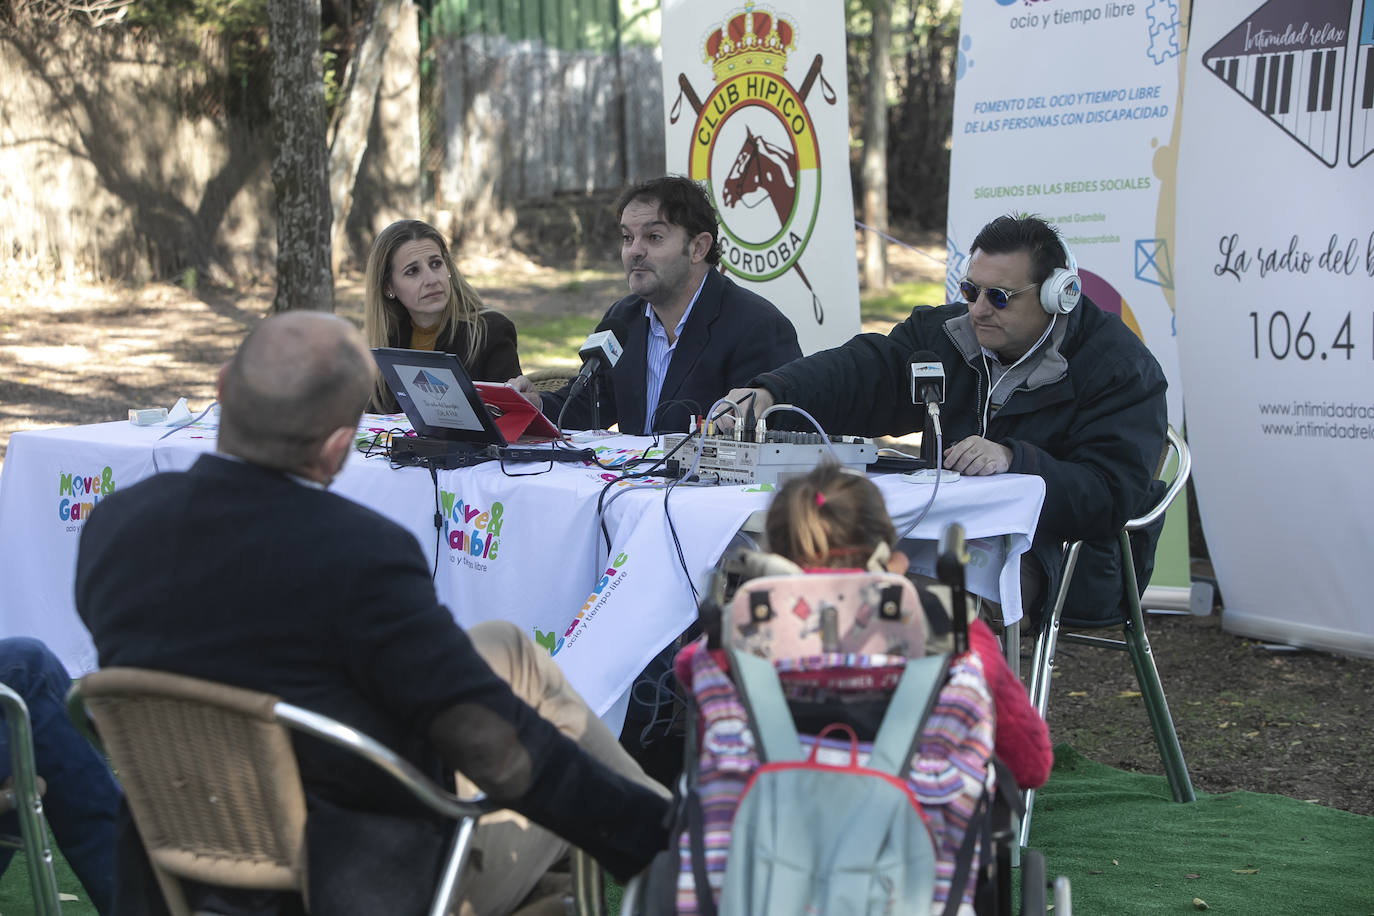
[
  {"x": 690, "y": 333},
  {"x": 245, "y": 570}
]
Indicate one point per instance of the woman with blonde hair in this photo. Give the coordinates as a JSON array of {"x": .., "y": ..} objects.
[{"x": 416, "y": 299}]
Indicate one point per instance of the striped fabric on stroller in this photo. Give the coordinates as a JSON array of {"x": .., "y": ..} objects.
[{"x": 840, "y": 642}]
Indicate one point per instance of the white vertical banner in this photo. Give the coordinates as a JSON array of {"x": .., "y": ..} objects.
[
  {"x": 1276, "y": 311},
  {"x": 1068, "y": 110},
  {"x": 757, "y": 108}
]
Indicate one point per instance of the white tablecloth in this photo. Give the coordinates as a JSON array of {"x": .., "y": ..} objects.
[{"x": 527, "y": 549}]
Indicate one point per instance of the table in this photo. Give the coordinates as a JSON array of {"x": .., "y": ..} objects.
[{"x": 527, "y": 549}]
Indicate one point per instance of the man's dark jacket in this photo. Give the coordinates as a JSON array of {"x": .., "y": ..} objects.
[
  {"x": 731, "y": 335},
  {"x": 1090, "y": 420},
  {"x": 238, "y": 574}
]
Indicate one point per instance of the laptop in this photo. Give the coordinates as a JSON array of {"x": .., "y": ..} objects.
[{"x": 451, "y": 414}]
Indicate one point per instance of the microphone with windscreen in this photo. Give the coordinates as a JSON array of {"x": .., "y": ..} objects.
[
  {"x": 927, "y": 379},
  {"x": 601, "y": 350},
  {"x": 928, "y": 387}
]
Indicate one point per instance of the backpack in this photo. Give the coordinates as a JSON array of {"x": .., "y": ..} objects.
[
  {"x": 809, "y": 837},
  {"x": 847, "y": 623}
]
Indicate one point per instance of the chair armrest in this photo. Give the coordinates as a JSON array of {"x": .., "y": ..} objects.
[
  {"x": 1185, "y": 466},
  {"x": 382, "y": 757}
]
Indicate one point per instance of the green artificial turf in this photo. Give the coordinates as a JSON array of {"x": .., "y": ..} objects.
[
  {"x": 1128, "y": 848},
  {"x": 17, "y": 900}
]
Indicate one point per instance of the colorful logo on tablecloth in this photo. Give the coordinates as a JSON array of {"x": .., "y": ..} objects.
[
  {"x": 78, "y": 495},
  {"x": 473, "y": 532},
  {"x": 610, "y": 580}
]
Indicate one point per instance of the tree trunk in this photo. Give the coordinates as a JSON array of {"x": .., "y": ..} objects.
[
  {"x": 875, "y": 146},
  {"x": 349, "y": 142},
  {"x": 300, "y": 161}
]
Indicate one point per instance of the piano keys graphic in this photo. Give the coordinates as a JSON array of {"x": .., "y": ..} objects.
[
  {"x": 1362, "y": 96},
  {"x": 1287, "y": 59}
]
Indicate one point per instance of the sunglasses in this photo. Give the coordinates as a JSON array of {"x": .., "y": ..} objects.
[{"x": 996, "y": 295}]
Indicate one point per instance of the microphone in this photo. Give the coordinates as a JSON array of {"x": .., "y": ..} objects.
[
  {"x": 928, "y": 387},
  {"x": 927, "y": 379},
  {"x": 602, "y": 349}
]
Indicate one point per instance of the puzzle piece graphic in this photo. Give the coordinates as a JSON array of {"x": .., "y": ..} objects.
[
  {"x": 1162, "y": 12},
  {"x": 1163, "y": 19},
  {"x": 1163, "y": 43},
  {"x": 954, "y": 269}
]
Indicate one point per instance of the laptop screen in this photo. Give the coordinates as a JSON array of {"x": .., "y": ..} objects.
[{"x": 437, "y": 395}]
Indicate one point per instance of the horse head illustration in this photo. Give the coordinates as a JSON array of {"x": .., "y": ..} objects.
[{"x": 762, "y": 165}]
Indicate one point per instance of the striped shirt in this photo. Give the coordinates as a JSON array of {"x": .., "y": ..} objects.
[{"x": 659, "y": 355}]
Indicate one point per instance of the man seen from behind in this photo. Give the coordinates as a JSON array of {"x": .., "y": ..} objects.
[{"x": 245, "y": 570}]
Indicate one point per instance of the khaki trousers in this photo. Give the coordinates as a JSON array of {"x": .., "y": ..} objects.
[{"x": 509, "y": 853}]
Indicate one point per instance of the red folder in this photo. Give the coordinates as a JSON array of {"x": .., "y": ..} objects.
[{"x": 516, "y": 418}]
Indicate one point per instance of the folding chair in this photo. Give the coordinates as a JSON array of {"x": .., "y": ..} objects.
[
  {"x": 1132, "y": 621},
  {"x": 212, "y": 782},
  {"x": 21, "y": 793}
]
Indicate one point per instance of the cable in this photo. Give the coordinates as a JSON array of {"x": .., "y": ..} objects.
[
  {"x": 195, "y": 419},
  {"x": 660, "y": 689},
  {"x": 677, "y": 542},
  {"x": 668, "y": 493},
  {"x": 501, "y": 461},
  {"x": 896, "y": 241},
  {"x": 380, "y": 444},
  {"x": 735, "y": 405},
  {"x": 438, "y": 523},
  {"x": 629, "y": 475},
  {"x": 684, "y": 402},
  {"x": 825, "y": 438},
  {"x": 562, "y": 412},
  {"x": 939, "y": 472},
  {"x": 698, "y": 433}
]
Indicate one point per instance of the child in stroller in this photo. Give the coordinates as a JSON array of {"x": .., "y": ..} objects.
[{"x": 832, "y": 520}]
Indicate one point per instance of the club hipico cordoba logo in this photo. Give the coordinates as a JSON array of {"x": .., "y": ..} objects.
[{"x": 754, "y": 146}]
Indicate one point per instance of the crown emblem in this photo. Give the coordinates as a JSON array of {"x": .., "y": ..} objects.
[{"x": 752, "y": 39}]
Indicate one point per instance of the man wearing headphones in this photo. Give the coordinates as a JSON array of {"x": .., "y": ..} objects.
[{"x": 1038, "y": 380}]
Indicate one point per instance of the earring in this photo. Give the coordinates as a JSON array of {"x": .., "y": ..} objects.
[{"x": 391, "y": 295}]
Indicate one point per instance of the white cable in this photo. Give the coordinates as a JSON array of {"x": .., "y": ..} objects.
[
  {"x": 939, "y": 472},
  {"x": 711, "y": 416},
  {"x": 195, "y": 419},
  {"x": 825, "y": 439}
]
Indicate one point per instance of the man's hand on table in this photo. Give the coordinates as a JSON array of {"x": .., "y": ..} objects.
[
  {"x": 761, "y": 402},
  {"x": 977, "y": 457}
]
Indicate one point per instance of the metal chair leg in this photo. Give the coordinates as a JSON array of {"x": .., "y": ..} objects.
[
  {"x": 1166, "y": 737},
  {"x": 589, "y": 885},
  {"x": 28, "y": 808},
  {"x": 446, "y": 894},
  {"x": 1042, "y": 667},
  {"x": 1151, "y": 689}
]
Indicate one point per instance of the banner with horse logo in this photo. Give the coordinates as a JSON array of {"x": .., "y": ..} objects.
[{"x": 757, "y": 111}]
